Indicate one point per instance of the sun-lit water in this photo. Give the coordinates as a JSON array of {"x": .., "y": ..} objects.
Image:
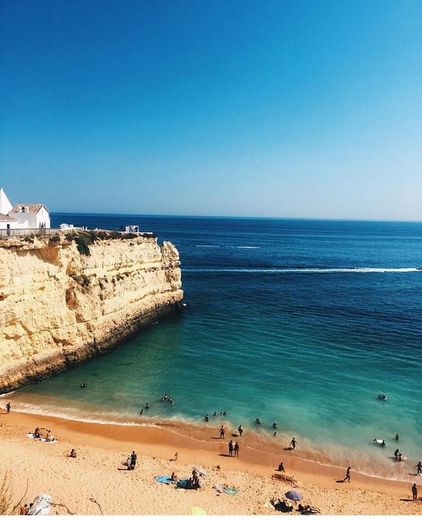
[{"x": 301, "y": 322}]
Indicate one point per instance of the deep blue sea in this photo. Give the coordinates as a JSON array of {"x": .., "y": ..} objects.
[{"x": 303, "y": 322}]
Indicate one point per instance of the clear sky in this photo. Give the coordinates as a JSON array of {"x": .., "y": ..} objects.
[{"x": 282, "y": 108}]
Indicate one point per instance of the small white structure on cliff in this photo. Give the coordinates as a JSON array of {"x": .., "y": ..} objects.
[{"x": 22, "y": 216}]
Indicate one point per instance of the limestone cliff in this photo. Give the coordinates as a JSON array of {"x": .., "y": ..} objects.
[{"x": 59, "y": 306}]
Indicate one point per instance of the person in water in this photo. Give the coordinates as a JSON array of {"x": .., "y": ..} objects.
[
  {"x": 397, "y": 437},
  {"x": 141, "y": 411},
  {"x": 82, "y": 385},
  {"x": 214, "y": 414},
  {"x": 383, "y": 444},
  {"x": 240, "y": 430},
  {"x": 293, "y": 443},
  {"x": 146, "y": 406},
  {"x": 281, "y": 467},
  {"x": 415, "y": 491},
  {"x": 257, "y": 421},
  {"x": 347, "y": 477},
  {"x": 419, "y": 468},
  {"x": 222, "y": 432},
  {"x": 206, "y": 418},
  {"x": 396, "y": 454},
  {"x": 275, "y": 425}
]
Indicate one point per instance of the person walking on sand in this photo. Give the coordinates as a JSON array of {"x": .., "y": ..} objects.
[
  {"x": 236, "y": 449},
  {"x": 231, "y": 447},
  {"x": 293, "y": 443},
  {"x": 347, "y": 477},
  {"x": 419, "y": 468},
  {"x": 133, "y": 459},
  {"x": 222, "y": 432},
  {"x": 415, "y": 491},
  {"x": 240, "y": 430},
  {"x": 8, "y": 407}
]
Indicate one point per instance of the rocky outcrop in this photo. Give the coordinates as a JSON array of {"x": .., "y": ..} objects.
[{"x": 59, "y": 306}]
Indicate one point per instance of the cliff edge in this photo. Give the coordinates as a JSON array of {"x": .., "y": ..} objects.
[{"x": 67, "y": 298}]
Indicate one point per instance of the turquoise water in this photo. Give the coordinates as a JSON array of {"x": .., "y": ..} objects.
[{"x": 301, "y": 322}]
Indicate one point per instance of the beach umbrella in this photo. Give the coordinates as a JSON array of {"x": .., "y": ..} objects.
[{"x": 294, "y": 495}]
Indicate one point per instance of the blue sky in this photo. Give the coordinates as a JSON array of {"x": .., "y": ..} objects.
[{"x": 265, "y": 108}]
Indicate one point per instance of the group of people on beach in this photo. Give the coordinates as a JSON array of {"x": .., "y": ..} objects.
[
  {"x": 234, "y": 449},
  {"x": 43, "y": 433},
  {"x": 131, "y": 461}
]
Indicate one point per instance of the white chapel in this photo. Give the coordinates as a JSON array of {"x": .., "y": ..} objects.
[{"x": 23, "y": 215}]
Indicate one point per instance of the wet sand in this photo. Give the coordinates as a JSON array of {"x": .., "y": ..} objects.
[{"x": 97, "y": 471}]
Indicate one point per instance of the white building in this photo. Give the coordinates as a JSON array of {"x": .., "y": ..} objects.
[{"x": 22, "y": 216}]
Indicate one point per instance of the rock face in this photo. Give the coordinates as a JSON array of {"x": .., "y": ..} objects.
[{"x": 59, "y": 307}]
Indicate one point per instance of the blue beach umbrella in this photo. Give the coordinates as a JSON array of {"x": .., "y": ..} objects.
[{"x": 294, "y": 495}]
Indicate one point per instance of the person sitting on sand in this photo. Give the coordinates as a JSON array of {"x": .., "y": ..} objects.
[
  {"x": 415, "y": 491},
  {"x": 47, "y": 436},
  {"x": 281, "y": 467},
  {"x": 37, "y": 433},
  {"x": 72, "y": 453},
  {"x": 419, "y": 468},
  {"x": 174, "y": 477}
]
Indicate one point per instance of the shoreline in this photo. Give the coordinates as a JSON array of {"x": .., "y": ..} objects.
[
  {"x": 156, "y": 444},
  {"x": 190, "y": 430}
]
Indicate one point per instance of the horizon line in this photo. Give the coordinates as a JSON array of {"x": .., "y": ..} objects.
[{"x": 251, "y": 217}]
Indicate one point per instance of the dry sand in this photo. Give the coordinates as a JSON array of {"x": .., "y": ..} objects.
[{"x": 97, "y": 472}]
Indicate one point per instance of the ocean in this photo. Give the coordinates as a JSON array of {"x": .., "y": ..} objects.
[{"x": 302, "y": 322}]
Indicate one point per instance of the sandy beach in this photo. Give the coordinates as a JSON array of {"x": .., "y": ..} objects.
[{"x": 97, "y": 479}]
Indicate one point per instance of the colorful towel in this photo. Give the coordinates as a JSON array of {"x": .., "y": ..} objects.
[{"x": 164, "y": 479}]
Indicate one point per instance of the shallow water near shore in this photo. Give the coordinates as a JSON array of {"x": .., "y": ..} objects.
[{"x": 299, "y": 322}]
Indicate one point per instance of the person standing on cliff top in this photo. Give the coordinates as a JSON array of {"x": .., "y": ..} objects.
[
  {"x": 8, "y": 407},
  {"x": 222, "y": 432}
]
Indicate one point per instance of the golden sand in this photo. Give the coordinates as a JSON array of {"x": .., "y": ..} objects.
[{"x": 96, "y": 478}]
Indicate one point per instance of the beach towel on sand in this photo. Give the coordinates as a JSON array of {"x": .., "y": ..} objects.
[
  {"x": 225, "y": 489},
  {"x": 198, "y": 511},
  {"x": 164, "y": 479}
]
